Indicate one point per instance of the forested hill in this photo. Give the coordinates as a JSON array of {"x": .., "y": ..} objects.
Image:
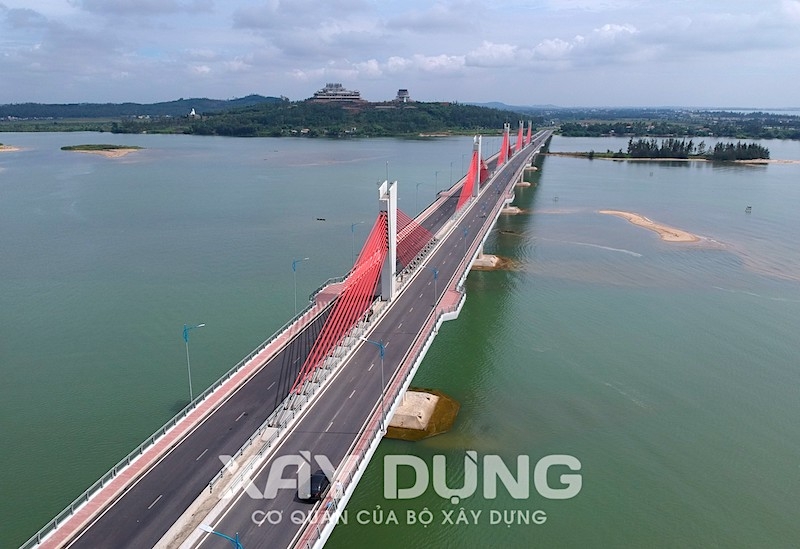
[
  {"x": 180, "y": 107},
  {"x": 332, "y": 120}
]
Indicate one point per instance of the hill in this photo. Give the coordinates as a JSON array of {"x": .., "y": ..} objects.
[
  {"x": 312, "y": 119},
  {"x": 179, "y": 107}
]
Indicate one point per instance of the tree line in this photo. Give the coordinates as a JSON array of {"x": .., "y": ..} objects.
[
  {"x": 756, "y": 125},
  {"x": 681, "y": 148}
]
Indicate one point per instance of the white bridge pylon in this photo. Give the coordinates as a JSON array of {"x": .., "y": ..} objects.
[{"x": 387, "y": 202}]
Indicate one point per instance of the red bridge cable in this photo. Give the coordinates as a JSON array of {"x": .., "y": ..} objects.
[
  {"x": 353, "y": 302},
  {"x": 469, "y": 183}
]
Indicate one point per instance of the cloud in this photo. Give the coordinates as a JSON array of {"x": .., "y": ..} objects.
[
  {"x": 292, "y": 14},
  {"x": 454, "y": 48},
  {"x": 142, "y": 8},
  {"x": 791, "y": 8},
  {"x": 20, "y": 18},
  {"x": 607, "y": 44},
  {"x": 448, "y": 17}
]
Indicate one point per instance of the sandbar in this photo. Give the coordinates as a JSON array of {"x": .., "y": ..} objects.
[
  {"x": 668, "y": 234},
  {"x": 9, "y": 148},
  {"x": 110, "y": 153}
]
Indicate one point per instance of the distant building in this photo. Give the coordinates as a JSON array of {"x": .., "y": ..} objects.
[
  {"x": 335, "y": 92},
  {"x": 402, "y": 96}
]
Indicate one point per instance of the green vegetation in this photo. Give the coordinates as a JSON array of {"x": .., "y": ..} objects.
[
  {"x": 97, "y": 147},
  {"x": 681, "y": 149},
  {"x": 310, "y": 119},
  {"x": 115, "y": 111},
  {"x": 255, "y": 116},
  {"x": 669, "y": 123}
]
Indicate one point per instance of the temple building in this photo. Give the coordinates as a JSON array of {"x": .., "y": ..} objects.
[
  {"x": 335, "y": 92},
  {"x": 402, "y": 96}
]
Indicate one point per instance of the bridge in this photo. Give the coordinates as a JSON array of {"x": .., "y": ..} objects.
[{"x": 320, "y": 391}]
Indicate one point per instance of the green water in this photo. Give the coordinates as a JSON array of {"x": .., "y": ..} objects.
[{"x": 668, "y": 370}]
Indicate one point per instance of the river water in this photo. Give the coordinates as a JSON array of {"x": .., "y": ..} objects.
[{"x": 668, "y": 370}]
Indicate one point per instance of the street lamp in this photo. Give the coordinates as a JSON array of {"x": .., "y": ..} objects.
[
  {"x": 451, "y": 174},
  {"x": 353, "y": 232},
  {"x": 234, "y": 541},
  {"x": 186, "y": 330},
  {"x": 435, "y": 277},
  {"x": 416, "y": 201},
  {"x": 294, "y": 273},
  {"x": 436, "y": 174},
  {"x": 382, "y": 347}
]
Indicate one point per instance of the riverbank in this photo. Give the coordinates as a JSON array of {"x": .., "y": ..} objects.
[{"x": 667, "y": 233}]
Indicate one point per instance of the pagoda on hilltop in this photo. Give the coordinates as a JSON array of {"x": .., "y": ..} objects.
[{"x": 334, "y": 92}]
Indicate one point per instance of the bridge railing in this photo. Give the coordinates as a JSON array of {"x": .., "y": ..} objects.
[{"x": 112, "y": 473}]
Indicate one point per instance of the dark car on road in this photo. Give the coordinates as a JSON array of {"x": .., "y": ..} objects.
[{"x": 318, "y": 487}]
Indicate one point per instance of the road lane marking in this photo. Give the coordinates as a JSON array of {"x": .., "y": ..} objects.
[
  {"x": 351, "y": 394},
  {"x": 240, "y": 416},
  {"x": 329, "y": 426},
  {"x": 270, "y": 387},
  {"x": 201, "y": 455},
  {"x": 156, "y": 501},
  {"x": 398, "y": 327},
  {"x": 370, "y": 367},
  {"x": 412, "y": 308}
]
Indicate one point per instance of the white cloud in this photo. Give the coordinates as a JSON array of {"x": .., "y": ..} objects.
[
  {"x": 463, "y": 49},
  {"x": 142, "y": 8},
  {"x": 492, "y": 55},
  {"x": 791, "y": 8}
]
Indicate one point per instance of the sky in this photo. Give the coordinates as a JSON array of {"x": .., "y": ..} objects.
[{"x": 570, "y": 53}]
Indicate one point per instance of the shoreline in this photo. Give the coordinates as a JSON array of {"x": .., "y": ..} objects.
[{"x": 667, "y": 233}]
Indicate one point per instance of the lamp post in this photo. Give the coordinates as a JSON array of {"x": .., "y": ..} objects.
[
  {"x": 435, "y": 277},
  {"x": 186, "y": 330},
  {"x": 234, "y": 541},
  {"x": 451, "y": 174},
  {"x": 416, "y": 196},
  {"x": 382, "y": 347},
  {"x": 436, "y": 175},
  {"x": 353, "y": 233},
  {"x": 294, "y": 274}
]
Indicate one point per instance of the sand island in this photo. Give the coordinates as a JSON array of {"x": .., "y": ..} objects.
[
  {"x": 8, "y": 148},
  {"x": 668, "y": 234},
  {"x": 109, "y": 151}
]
